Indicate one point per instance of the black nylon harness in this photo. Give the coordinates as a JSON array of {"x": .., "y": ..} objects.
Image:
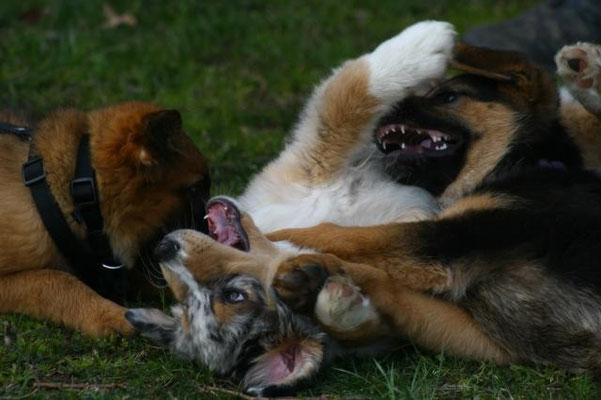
[{"x": 92, "y": 260}]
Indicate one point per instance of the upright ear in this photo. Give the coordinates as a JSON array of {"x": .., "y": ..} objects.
[
  {"x": 285, "y": 368},
  {"x": 152, "y": 323},
  {"x": 519, "y": 78},
  {"x": 160, "y": 129}
]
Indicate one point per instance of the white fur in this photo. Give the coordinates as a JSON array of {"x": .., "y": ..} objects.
[
  {"x": 360, "y": 194},
  {"x": 344, "y": 312}
]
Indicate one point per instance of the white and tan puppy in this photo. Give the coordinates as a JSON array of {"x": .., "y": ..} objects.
[{"x": 331, "y": 171}]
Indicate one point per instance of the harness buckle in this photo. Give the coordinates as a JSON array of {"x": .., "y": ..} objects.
[
  {"x": 83, "y": 191},
  {"x": 33, "y": 171}
]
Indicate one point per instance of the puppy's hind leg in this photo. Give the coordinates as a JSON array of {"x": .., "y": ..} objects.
[
  {"x": 60, "y": 297},
  {"x": 342, "y": 111}
]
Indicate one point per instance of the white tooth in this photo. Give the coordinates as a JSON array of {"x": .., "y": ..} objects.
[
  {"x": 443, "y": 147},
  {"x": 403, "y": 129},
  {"x": 403, "y": 145},
  {"x": 384, "y": 145},
  {"x": 206, "y": 216}
]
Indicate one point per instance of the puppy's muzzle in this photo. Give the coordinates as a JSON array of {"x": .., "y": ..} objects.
[{"x": 167, "y": 249}]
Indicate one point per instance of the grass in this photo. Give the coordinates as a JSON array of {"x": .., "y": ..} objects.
[{"x": 239, "y": 71}]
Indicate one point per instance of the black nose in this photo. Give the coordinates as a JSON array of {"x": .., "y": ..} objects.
[{"x": 166, "y": 249}]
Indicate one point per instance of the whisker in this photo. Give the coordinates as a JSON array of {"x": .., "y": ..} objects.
[{"x": 152, "y": 271}]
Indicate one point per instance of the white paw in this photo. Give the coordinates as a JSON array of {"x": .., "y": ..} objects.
[
  {"x": 580, "y": 67},
  {"x": 411, "y": 60},
  {"x": 341, "y": 306}
]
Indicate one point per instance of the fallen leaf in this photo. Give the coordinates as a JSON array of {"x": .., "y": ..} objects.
[{"x": 114, "y": 20}]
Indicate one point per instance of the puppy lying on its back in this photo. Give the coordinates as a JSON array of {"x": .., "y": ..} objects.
[
  {"x": 332, "y": 171},
  {"x": 329, "y": 172}
]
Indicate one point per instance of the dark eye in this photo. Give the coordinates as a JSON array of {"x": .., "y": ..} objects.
[
  {"x": 234, "y": 296},
  {"x": 196, "y": 186}
]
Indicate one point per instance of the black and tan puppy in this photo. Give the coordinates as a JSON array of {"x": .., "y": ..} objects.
[{"x": 517, "y": 244}]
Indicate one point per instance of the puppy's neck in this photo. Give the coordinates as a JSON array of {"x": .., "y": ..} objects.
[{"x": 56, "y": 141}]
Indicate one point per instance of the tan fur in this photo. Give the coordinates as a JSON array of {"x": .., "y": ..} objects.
[
  {"x": 475, "y": 203},
  {"x": 60, "y": 297},
  {"x": 224, "y": 312},
  {"x": 496, "y": 123},
  {"x": 348, "y": 107},
  {"x": 207, "y": 259},
  {"x": 585, "y": 129},
  {"x": 135, "y": 201}
]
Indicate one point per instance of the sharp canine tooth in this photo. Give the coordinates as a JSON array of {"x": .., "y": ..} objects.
[
  {"x": 403, "y": 145},
  {"x": 403, "y": 129},
  {"x": 384, "y": 145},
  {"x": 206, "y": 216}
]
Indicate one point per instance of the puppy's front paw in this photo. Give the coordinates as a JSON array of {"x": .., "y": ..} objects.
[
  {"x": 580, "y": 67},
  {"x": 108, "y": 320},
  {"x": 298, "y": 283},
  {"x": 411, "y": 60},
  {"x": 341, "y": 307}
]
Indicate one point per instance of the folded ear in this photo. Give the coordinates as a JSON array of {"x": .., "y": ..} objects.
[
  {"x": 285, "y": 368},
  {"x": 160, "y": 127},
  {"x": 153, "y": 324},
  {"x": 484, "y": 62},
  {"x": 525, "y": 82}
]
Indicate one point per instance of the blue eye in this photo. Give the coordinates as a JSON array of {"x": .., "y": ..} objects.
[
  {"x": 449, "y": 97},
  {"x": 234, "y": 296}
]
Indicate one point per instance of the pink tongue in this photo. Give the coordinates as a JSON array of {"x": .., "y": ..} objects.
[
  {"x": 224, "y": 232},
  {"x": 427, "y": 143}
]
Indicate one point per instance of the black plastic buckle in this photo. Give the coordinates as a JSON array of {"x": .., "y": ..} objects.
[
  {"x": 83, "y": 191},
  {"x": 33, "y": 171}
]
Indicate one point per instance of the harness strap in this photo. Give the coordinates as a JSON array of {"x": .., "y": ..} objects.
[
  {"x": 69, "y": 246},
  {"x": 23, "y": 132},
  {"x": 92, "y": 261},
  {"x": 87, "y": 207}
]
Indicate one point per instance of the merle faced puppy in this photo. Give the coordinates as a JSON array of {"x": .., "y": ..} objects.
[{"x": 234, "y": 324}]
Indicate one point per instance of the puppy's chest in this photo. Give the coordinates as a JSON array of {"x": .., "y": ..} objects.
[{"x": 359, "y": 198}]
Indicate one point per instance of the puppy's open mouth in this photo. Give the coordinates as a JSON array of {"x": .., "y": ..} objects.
[
  {"x": 223, "y": 218},
  {"x": 411, "y": 142}
]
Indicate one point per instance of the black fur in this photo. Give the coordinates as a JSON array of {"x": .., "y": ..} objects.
[{"x": 528, "y": 272}]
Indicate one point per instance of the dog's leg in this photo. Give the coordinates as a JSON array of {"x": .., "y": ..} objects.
[
  {"x": 580, "y": 67},
  {"x": 60, "y": 297},
  {"x": 392, "y": 307},
  {"x": 345, "y": 242},
  {"x": 391, "y": 247},
  {"x": 342, "y": 111},
  {"x": 415, "y": 254}
]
